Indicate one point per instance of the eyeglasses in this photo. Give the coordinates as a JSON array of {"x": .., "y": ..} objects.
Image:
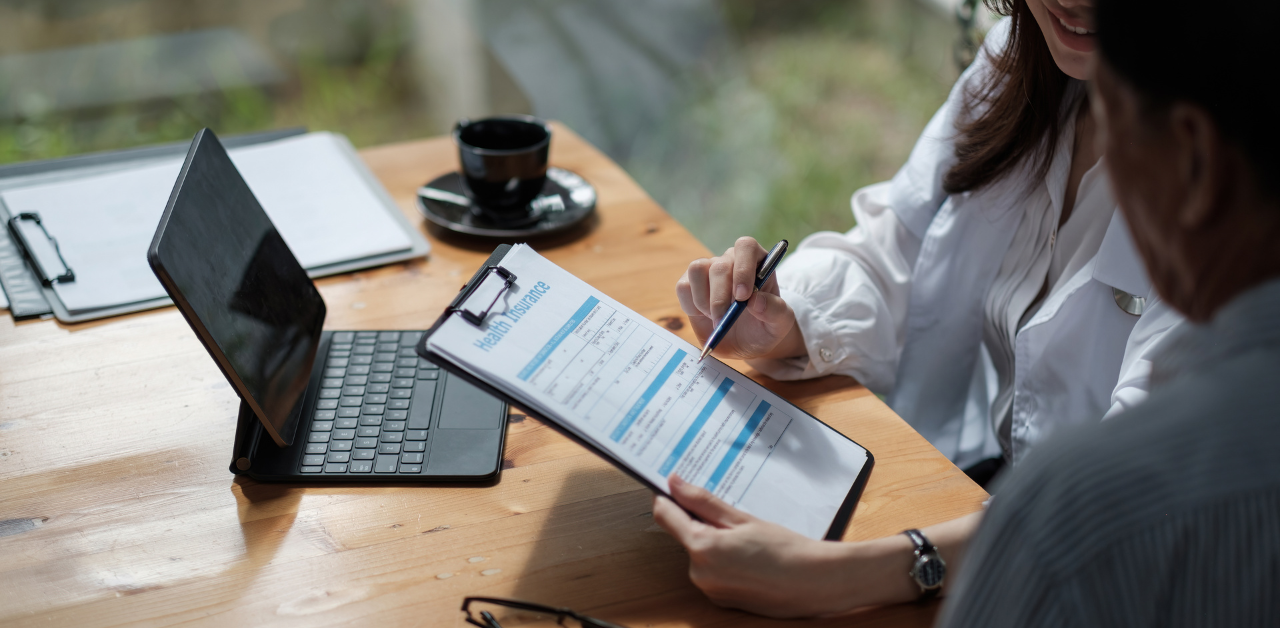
[{"x": 492, "y": 612}]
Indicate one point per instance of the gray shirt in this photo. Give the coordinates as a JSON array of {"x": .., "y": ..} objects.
[{"x": 1167, "y": 515}]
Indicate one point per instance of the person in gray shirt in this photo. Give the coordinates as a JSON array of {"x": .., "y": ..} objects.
[{"x": 1169, "y": 514}]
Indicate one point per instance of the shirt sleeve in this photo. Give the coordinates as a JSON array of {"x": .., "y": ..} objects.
[
  {"x": 1158, "y": 324},
  {"x": 850, "y": 291}
]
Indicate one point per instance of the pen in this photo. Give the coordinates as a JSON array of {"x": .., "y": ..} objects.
[{"x": 763, "y": 270}]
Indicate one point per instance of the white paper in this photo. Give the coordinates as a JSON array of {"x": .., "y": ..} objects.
[
  {"x": 322, "y": 207},
  {"x": 635, "y": 389}
]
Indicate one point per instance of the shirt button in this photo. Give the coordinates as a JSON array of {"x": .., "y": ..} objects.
[{"x": 826, "y": 354}]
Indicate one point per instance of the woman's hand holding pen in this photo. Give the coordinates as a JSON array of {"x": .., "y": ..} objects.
[{"x": 709, "y": 286}]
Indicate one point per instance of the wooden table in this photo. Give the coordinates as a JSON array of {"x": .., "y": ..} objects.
[{"x": 116, "y": 506}]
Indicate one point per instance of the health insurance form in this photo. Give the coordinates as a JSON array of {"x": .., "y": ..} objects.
[{"x": 636, "y": 390}]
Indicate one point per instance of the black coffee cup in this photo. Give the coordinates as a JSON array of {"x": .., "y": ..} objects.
[{"x": 504, "y": 163}]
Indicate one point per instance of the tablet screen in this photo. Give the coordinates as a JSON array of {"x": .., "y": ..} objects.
[{"x": 234, "y": 278}]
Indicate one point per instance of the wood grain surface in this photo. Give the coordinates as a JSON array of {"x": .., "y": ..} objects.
[{"x": 116, "y": 506}]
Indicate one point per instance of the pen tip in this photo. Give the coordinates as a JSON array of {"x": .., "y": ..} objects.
[{"x": 705, "y": 351}]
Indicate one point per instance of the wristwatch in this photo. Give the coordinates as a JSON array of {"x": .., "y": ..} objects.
[{"x": 929, "y": 570}]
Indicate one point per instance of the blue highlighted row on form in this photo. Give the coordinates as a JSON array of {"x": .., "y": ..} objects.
[
  {"x": 559, "y": 337},
  {"x": 738, "y": 444},
  {"x": 689, "y": 434},
  {"x": 647, "y": 396}
]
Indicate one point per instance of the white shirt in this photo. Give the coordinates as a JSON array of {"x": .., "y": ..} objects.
[{"x": 926, "y": 300}]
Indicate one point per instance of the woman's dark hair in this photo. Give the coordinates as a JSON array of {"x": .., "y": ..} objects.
[
  {"x": 1223, "y": 60},
  {"x": 1016, "y": 113}
]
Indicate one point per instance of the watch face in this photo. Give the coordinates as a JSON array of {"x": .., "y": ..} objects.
[{"x": 930, "y": 571}]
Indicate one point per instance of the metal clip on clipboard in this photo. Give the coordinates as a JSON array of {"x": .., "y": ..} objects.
[
  {"x": 477, "y": 317},
  {"x": 37, "y": 249}
]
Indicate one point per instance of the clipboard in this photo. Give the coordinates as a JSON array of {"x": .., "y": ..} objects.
[
  {"x": 27, "y": 255},
  {"x": 463, "y": 306}
]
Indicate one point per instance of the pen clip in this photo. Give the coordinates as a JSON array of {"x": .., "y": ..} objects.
[
  {"x": 29, "y": 249},
  {"x": 477, "y": 318},
  {"x": 770, "y": 262}
]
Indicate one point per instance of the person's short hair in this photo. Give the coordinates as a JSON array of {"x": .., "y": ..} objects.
[{"x": 1223, "y": 58}]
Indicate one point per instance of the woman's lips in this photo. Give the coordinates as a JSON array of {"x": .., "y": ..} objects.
[{"x": 1069, "y": 37}]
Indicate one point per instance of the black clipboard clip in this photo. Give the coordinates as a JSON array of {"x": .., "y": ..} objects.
[
  {"x": 477, "y": 318},
  {"x": 47, "y": 277}
]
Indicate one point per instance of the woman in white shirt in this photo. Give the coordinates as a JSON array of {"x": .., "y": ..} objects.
[{"x": 990, "y": 291}]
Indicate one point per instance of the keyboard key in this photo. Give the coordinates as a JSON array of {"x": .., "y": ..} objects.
[
  {"x": 356, "y": 380},
  {"x": 318, "y": 437},
  {"x": 401, "y": 393},
  {"x": 415, "y": 435},
  {"x": 344, "y": 336},
  {"x": 403, "y": 372},
  {"x": 385, "y": 464},
  {"x": 363, "y": 350},
  {"x": 415, "y": 445},
  {"x": 334, "y": 372},
  {"x": 425, "y": 374},
  {"x": 335, "y": 468},
  {"x": 393, "y": 426},
  {"x": 420, "y": 413},
  {"x": 311, "y": 469},
  {"x": 340, "y": 346},
  {"x": 397, "y": 415},
  {"x": 372, "y": 336},
  {"x": 406, "y": 352},
  {"x": 383, "y": 367},
  {"x": 348, "y": 413},
  {"x": 411, "y": 468},
  {"x": 391, "y": 437},
  {"x": 379, "y": 388},
  {"x": 357, "y": 391},
  {"x": 316, "y": 448},
  {"x": 371, "y": 419},
  {"x": 351, "y": 401},
  {"x": 402, "y": 382},
  {"x": 339, "y": 445},
  {"x": 366, "y": 442},
  {"x": 361, "y": 466},
  {"x": 343, "y": 434},
  {"x": 321, "y": 426},
  {"x": 324, "y": 415},
  {"x": 362, "y": 359},
  {"x": 331, "y": 382},
  {"x": 327, "y": 404},
  {"x": 388, "y": 336},
  {"x": 362, "y": 454},
  {"x": 368, "y": 430},
  {"x": 375, "y": 398},
  {"x": 408, "y": 458},
  {"x": 345, "y": 424},
  {"x": 330, "y": 393},
  {"x": 398, "y": 404},
  {"x": 340, "y": 456},
  {"x": 380, "y": 378},
  {"x": 373, "y": 408},
  {"x": 388, "y": 346},
  {"x": 358, "y": 369},
  {"x": 384, "y": 357},
  {"x": 340, "y": 353},
  {"x": 410, "y": 337},
  {"x": 426, "y": 364},
  {"x": 338, "y": 362},
  {"x": 407, "y": 362},
  {"x": 312, "y": 461},
  {"x": 389, "y": 448}
]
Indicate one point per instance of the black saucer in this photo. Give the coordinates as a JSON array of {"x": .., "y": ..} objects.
[{"x": 566, "y": 200}]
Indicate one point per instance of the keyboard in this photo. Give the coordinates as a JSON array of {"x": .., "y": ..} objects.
[{"x": 373, "y": 410}]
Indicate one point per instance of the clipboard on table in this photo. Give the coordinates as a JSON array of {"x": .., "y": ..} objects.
[
  {"x": 34, "y": 264},
  {"x": 474, "y": 307}
]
